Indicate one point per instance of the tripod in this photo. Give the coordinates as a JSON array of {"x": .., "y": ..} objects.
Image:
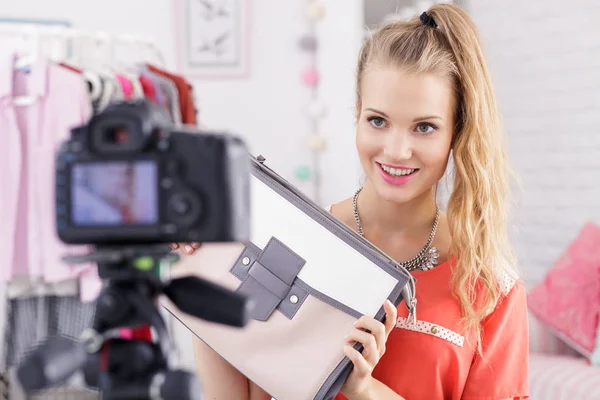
[{"x": 117, "y": 354}]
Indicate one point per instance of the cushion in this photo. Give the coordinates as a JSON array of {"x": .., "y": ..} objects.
[{"x": 567, "y": 300}]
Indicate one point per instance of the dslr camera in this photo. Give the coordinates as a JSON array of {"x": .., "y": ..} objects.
[
  {"x": 128, "y": 183},
  {"x": 130, "y": 177}
]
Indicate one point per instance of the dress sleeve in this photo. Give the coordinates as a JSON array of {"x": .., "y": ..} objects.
[{"x": 502, "y": 371}]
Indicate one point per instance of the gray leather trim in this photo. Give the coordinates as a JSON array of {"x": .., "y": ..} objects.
[
  {"x": 286, "y": 307},
  {"x": 289, "y": 309},
  {"x": 269, "y": 280},
  {"x": 326, "y": 299},
  {"x": 268, "y": 277},
  {"x": 281, "y": 260},
  {"x": 263, "y": 301},
  {"x": 240, "y": 270}
]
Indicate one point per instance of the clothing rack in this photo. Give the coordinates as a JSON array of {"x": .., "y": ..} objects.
[
  {"x": 97, "y": 56},
  {"x": 63, "y": 43}
]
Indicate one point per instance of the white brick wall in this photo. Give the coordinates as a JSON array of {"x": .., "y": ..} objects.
[{"x": 545, "y": 60}]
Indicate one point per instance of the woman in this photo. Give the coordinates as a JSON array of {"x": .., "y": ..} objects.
[{"x": 424, "y": 93}]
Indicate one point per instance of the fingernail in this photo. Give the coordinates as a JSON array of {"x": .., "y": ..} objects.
[
  {"x": 188, "y": 248},
  {"x": 174, "y": 246},
  {"x": 389, "y": 303},
  {"x": 195, "y": 244},
  {"x": 355, "y": 323}
]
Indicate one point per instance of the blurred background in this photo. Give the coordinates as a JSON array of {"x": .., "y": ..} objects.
[{"x": 281, "y": 74}]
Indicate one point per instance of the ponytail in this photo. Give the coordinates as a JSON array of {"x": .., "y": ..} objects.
[{"x": 477, "y": 208}]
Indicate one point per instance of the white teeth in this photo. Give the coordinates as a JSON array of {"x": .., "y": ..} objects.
[{"x": 397, "y": 171}]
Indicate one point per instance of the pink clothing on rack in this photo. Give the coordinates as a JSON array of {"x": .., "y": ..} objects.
[
  {"x": 31, "y": 134},
  {"x": 126, "y": 86}
]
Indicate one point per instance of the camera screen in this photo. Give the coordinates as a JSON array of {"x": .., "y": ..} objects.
[{"x": 114, "y": 193}]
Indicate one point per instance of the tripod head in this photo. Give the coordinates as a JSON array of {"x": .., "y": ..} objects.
[{"x": 118, "y": 354}]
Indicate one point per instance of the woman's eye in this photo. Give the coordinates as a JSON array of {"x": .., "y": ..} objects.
[
  {"x": 377, "y": 122},
  {"x": 426, "y": 128}
]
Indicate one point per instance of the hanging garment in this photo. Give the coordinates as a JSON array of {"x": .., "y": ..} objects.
[
  {"x": 172, "y": 98},
  {"x": 138, "y": 90},
  {"x": 149, "y": 88},
  {"x": 185, "y": 96},
  {"x": 57, "y": 101},
  {"x": 117, "y": 90},
  {"x": 160, "y": 96},
  {"x": 126, "y": 86},
  {"x": 100, "y": 90}
]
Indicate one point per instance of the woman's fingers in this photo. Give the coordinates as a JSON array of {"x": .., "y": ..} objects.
[
  {"x": 361, "y": 366},
  {"x": 371, "y": 349},
  {"x": 376, "y": 329},
  {"x": 188, "y": 248},
  {"x": 391, "y": 315}
]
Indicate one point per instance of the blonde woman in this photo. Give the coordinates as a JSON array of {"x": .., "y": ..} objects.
[{"x": 424, "y": 93}]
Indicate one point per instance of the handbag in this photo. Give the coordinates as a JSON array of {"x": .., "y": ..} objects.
[{"x": 309, "y": 278}]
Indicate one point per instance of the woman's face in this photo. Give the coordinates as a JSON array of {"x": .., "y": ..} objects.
[{"x": 404, "y": 131}]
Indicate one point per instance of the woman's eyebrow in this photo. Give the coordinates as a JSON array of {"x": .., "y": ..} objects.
[{"x": 415, "y": 120}]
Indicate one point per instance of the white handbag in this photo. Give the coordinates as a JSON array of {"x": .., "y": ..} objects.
[{"x": 309, "y": 276}]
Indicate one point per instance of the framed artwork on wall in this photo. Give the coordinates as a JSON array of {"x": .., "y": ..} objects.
[{"x": 213, "y": 38}]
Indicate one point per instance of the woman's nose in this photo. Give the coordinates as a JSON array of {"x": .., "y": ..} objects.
[{"x": 398, "y": 147}]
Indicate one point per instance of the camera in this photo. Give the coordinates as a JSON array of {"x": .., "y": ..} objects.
[
  {"x": 129, "y": 183},
  {"x": 129, "y": 177}
]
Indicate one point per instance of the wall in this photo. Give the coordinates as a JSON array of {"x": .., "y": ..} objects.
[{"x": 545, "y": 61}]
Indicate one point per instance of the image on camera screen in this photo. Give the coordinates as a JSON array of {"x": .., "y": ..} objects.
[{"x": 114, "y": 193}]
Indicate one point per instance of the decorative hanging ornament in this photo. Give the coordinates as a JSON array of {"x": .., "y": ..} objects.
[
  {"x": 303, "y": 173},
  {"x": 308, "y": 43},
  {"x": 316, "y": 109},
  {"x": 315, "y": 10},
  {"x": 310, "y": 77},
  {"x": 315, "y": 143}
]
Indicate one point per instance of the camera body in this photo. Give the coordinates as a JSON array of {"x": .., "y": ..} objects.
[{"x": 130, "y": 177}]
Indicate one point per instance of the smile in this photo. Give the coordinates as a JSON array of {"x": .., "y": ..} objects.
[{"x": 396, "y": 175}]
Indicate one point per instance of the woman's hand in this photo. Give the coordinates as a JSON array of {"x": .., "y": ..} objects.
[
  {"x": 373, "y": 336},
  {"x": 188, "y": 248}
]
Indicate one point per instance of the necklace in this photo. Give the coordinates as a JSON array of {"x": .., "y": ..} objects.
[{"x": 425, "y": 259}]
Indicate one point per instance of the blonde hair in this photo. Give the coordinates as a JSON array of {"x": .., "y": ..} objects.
[{"x": 477, "y": 207}]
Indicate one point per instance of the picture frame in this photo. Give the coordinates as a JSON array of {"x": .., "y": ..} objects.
[{"x": 213, "y": 38}]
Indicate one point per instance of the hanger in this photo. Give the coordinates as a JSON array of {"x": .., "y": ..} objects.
[
  {"x": 30, "y": 38},
  {"x": 59, "y": 38},
  {"x": 26, "y": 61}
]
